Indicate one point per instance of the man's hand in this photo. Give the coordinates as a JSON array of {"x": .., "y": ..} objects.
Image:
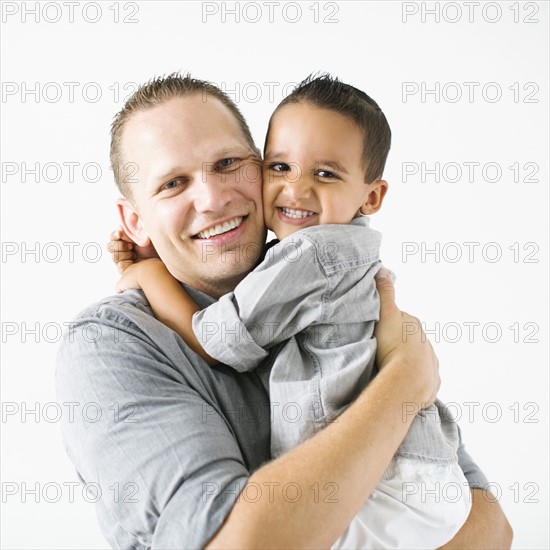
[
  {"x": 400, "y": 339},
  {"x": 126, "y": 252}
]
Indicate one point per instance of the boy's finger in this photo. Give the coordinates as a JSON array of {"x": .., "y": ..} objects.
[
  {"x": 124, "y": 257},
  {"x": 116, "y": 235},
  {"x": 119, "y": 246},
  {"x": 125, "y": 238},
  {"x": 120, "y": 235}
]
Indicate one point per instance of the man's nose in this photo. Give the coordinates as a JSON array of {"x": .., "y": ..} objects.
[{"x": 212, "y": 193}]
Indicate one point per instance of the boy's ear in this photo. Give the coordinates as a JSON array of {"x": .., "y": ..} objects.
[
  {"x": 375, "y": 198},
  {"x": 131, "y": 222}
]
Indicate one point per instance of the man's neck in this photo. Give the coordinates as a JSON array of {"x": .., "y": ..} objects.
[{"x": 218, "y": 288}]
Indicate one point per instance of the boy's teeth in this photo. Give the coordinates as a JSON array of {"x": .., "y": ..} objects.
[
  {"x": 296, "y": 213},
  {"x": 219, "y": 229}
]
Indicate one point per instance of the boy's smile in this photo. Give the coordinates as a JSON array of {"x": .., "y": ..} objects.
[{"x": 313, "y": 169}]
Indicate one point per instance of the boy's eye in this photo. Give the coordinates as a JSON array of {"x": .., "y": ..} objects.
[
  {"x": 325, "y": 174},
  {"x": 279, "y": 167}
]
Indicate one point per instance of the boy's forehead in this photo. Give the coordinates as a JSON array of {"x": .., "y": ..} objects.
[{"x": 320, "y": 131}]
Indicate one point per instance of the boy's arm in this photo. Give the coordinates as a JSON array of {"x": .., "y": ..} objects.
[
  {"x": 169, "y": 301},
  {"x": 125, "y": 252},
  {"x": 280, "y": 298}
]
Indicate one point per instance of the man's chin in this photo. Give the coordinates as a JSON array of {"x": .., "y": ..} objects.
[
  {"x": 217, "y": 275},
  {"x": 235, "y": 257},
  {"x": 219, "y": 280}
]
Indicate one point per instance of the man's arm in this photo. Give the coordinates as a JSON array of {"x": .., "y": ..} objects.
[
  {"x": 349, "y": 455},
  {"x": 345, "y": 461},
  {"x": 485, "y": 528}
]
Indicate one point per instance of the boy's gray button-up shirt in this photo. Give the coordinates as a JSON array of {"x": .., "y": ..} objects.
[{"x": 312, "y": 304}]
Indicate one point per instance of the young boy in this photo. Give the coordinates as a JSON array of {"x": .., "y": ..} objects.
[{"x": 313, "y": 302}]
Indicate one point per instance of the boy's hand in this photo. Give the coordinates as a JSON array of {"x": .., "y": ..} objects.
[
  {"x": 135, "y": 274},
  {"x": 126, "y": 252}
]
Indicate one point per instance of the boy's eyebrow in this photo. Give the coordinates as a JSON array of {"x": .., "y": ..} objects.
[
  {"x": 270, "y": 154},
  {"x": 332, "y": 164}
]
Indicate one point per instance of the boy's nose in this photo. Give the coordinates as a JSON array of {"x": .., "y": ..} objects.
[{"x": 298, "y": 186}]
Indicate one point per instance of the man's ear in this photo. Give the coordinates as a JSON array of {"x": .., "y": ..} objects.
[
  {"x": 131, "y": 222},
  {"x": 375, "y": 198}
]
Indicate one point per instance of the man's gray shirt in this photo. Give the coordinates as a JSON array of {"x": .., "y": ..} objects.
[{"x": 169, "y": 440}]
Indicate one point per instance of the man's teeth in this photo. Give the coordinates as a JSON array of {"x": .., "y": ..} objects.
[
  {"x": 219, "y": 229},
  {"x": 296, "y": 213}
]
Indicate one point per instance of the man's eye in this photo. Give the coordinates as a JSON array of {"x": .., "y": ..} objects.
[
  {"x": 279, "y": 167},
  {"x": 226, "y": 163},
  {"x": 172, "y": 184}
]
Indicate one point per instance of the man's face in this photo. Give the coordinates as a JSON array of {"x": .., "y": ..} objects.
[{"x": 197, "y": 191}]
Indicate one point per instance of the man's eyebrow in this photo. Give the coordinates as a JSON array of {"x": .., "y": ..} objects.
[
  {"x": 217, "y": 154},
  {"x": 224, "y": 152},
  {"x": 167, "y": 174}
]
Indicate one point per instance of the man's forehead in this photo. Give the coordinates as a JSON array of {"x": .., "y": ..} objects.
[
  {"x": 194, "y": 110},
  {"x": 171, "y": 140},
  {"x": 187, "y": 118},
  {"x": 184, "y": 124}
]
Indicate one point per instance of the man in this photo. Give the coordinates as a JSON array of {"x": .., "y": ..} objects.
[{"x": 181, "y": 450}]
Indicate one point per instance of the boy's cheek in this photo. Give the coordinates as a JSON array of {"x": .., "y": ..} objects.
[
  {"x": 266, "y": 175},
  {"x": 267, "y": 184}
]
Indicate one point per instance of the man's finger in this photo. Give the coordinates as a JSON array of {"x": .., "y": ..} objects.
[{"x": 386, "y": 290}]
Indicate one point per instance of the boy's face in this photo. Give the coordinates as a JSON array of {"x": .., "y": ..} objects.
[{"x": 313, "y": 169}]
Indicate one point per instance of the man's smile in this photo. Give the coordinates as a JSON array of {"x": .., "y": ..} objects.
[{"x": 220, "y": 228}]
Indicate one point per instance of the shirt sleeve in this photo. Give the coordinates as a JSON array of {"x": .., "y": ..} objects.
[
  {"x": 476, "y": 478},
  {"x": 165, "y": 459},
  {"x": 280, "y": 298}
]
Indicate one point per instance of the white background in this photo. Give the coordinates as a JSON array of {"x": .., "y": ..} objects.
[{"x": 381, "y": 47}]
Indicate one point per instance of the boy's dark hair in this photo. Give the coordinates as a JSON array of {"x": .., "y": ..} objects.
[{"x": 330, "y": 93}]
